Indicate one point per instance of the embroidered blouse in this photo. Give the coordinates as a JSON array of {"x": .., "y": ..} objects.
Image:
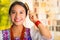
[
  {"x": 6, "y": 35},
  {"x": 29, "y": 34}
]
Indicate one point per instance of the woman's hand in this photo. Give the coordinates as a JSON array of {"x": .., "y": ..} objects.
[
  {"x": 33, "y": 16},
  {"x": 42, "y": 29}
]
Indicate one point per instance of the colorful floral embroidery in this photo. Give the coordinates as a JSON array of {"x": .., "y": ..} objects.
[{"x": 6, "y": 35}]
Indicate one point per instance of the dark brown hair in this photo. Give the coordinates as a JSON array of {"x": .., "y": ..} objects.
[{"x": 18, "y": 3}]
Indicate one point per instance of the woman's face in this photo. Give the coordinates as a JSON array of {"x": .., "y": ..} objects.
[{"x": 18, "y": 14}]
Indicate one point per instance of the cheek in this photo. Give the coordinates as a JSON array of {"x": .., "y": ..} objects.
[
  {"x": 24, "y": 17},
  {"x": 12, "y": 17}
]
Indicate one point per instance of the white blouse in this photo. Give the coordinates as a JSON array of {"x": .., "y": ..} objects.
[{"x": 35, "y": 34}]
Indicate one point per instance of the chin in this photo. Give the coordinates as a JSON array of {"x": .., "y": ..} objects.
[{"x": 18, "y": 24}]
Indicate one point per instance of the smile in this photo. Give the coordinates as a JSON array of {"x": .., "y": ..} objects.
[{"x": 18, "y": 20}]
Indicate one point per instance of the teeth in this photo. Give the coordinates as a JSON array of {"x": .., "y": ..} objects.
[{"x": 17, "y": 19}]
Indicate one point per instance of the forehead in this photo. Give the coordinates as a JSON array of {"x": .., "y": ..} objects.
[{"x": 18, "y": 7}]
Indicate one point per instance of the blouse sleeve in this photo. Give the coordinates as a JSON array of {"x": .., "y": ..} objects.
[{"x": 35, "y": 34}]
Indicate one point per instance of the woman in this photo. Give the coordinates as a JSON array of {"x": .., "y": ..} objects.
[{"x": 18, "y": 12}]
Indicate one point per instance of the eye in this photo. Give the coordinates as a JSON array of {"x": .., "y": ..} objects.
[
  {"x": 13, "y": 12},
  {"x": 21, "y": 12}
]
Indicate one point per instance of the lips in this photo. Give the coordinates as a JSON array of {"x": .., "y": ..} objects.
[{"x": 18, "y": 20}]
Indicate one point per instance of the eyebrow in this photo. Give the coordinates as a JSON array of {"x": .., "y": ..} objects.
[{"x": 12, "y": 10}]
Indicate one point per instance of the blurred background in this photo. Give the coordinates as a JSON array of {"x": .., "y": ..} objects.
[{"x": 48, "y": 12}]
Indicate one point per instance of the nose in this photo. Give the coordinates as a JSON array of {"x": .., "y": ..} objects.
[{"x": 17, "y": 15}]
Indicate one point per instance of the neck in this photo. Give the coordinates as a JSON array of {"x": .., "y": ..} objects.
[
  {"x": 17, "y": 30},
  {"x": 17, "y": 27}
]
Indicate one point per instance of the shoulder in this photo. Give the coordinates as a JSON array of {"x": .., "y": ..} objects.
[
  {"x": 6, "y": 30},
  {"x": 4, "y": 33}
]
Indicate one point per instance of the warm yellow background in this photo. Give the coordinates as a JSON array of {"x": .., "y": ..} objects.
[
  {"x": 49, "y": 13},
  {"x": 4, "y": 18}
]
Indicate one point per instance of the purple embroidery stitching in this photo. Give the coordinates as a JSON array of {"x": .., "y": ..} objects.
[{"x": 6, "y": 35}]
